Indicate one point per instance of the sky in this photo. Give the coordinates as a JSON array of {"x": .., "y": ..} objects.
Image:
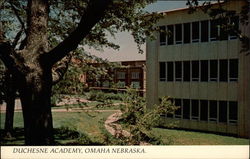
[{"x": 128, "y": 50}]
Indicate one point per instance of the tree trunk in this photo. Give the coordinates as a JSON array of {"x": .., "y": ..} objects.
[
  {"x": 10, "y": 104},
  {"x": 35, "y": 92}
]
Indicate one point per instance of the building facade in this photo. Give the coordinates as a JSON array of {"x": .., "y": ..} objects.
[
  {"x": 127, "y": 74},
  {"x": 201, "y": 67}
]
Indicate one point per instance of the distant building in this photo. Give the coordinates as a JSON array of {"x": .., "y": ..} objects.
[
  {"x": 202, "y": 68},
  {"x": 127, "y": 74}
]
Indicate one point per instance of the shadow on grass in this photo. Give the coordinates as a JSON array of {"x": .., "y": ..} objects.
[{"x": 63, "y": 136}]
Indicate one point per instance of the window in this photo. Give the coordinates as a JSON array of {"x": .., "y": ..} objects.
[
  {"x": 162, "y": 71},
  {"x": 233, "y": 112},
  {"x": 195, "y": 70},
  {"x": 170, "y": 71},
  {"x": 186, "y": 69},
  {"x": 204, "y": 31},
  {"x": 121, "y": 84},
  {"x": 170, "y": 34},
  {"x": 186, "y": 109},
  {"x": 195, "y": 32},
  {"x": 178, "y": 71},
  {"x": 204, "y": 70},
  {"x": 213, "y": 70},
  {"x": 233, "y": 32},
  {"x": 195, "y": 109},
  {"x": 223, "y": 70},
  {"x": 162, "y": 35},
  {"x": 212, "y": 110},
  {"x": 135, "y": 75},
  {"x": 214, "y": 30},
  {"x": 121, "y": 75},
  {"x": 105, "y": 84},
  {"x": 135, "y": 85},
  {"x": 178, "y": 111},
  {"x": 223, "y": 30},
  {"x": 233, "y": 70},
  {"x": 186, "y": 33},
  {"x": 178, "y": 34},
  {"x": 203, "y": 110},
  {"x": 222, "y": 111}
]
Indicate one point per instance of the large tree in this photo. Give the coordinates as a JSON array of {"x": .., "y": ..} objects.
[
  {"x": 36, "y": 35},
  {"x": 49, "y": 31}
]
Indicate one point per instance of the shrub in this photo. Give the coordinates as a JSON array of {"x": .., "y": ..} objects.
[
  {"x": 140, "y": 120},
  {"x": 101, "y": 96}
]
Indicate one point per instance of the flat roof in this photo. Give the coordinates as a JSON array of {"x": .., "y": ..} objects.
[{"x": 186, "y": 8}]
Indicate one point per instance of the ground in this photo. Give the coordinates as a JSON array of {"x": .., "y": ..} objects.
[{"x": 98, "y": 126}]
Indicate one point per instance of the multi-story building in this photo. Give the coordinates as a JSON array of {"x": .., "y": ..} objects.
[
  {"x": 127, "y": 74},
  {"x": 201, "y": 67}
]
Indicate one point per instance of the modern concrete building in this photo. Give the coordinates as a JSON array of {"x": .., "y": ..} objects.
[{"x": 202, "y": 68}]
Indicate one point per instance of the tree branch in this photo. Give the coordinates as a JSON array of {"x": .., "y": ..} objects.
[
  {"x": 93, "y": 14},
  {"x": 6, "y": 52},
  {"x": 60, "y": 69},
  {"x": 19, "y": 34}
]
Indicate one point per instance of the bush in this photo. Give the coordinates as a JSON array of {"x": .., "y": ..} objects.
[
  {"x": 101, "y": 96},
  {"x": 140, "y": 120}
]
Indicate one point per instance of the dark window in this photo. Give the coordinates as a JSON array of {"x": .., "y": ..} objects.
[
  {"x": 195, "y": 109},
  {"x": 234, "y": 21},
  {"x": 213, "y": 70},
  {"x": 222, "y": 111},
  {"x": 195, "y": 32},
  {"x": 233, "y": 70},
  {"x": 187, "y": 33},
  {"x": 178, "y": 111},
  {"x": 233, "y": 112},
  {"x": 178, "y": 34},
  {"x": 223, "y": 29},
  {"x": 170, "y": 71},
  {"x": 212, "y": 110},
  {"x": 178, "y": 71},
  {"x": 162, "y": 71},
  {"x": 186, "y": 109},
  {"x": 204, "y": 31},
  {"x": 203, "y": 110},
  {"x": 214, "y": 30},
  {"x": 195, "y": 70},
  {"x": 186, "y": 69},
  {"x": 170, "y": 34},
  {"x": 162, "y": 35},
  {"x": 204, "y": 70},
  {"x": 223, "y": 70}
]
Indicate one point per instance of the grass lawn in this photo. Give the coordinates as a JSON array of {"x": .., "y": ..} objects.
[
  {"x": 89, "y": 125},
  {"x": 182, "y": 137},
  {"x": 73, "y": 127}
]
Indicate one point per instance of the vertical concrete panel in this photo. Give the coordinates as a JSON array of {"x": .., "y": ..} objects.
[
  {"x": 233, "y": 91},
  {"x": 222, "y": 91},
  {"x": 152, "y": 73},
  {"x": 212, "y": 91},
  {"x": 203, "y": 90}
]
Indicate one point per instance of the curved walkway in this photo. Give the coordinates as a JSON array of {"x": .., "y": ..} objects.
[{"x": 116, "y": 129}]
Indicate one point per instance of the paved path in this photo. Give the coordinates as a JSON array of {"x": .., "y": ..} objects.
[{"x": 116, "y": 129}]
